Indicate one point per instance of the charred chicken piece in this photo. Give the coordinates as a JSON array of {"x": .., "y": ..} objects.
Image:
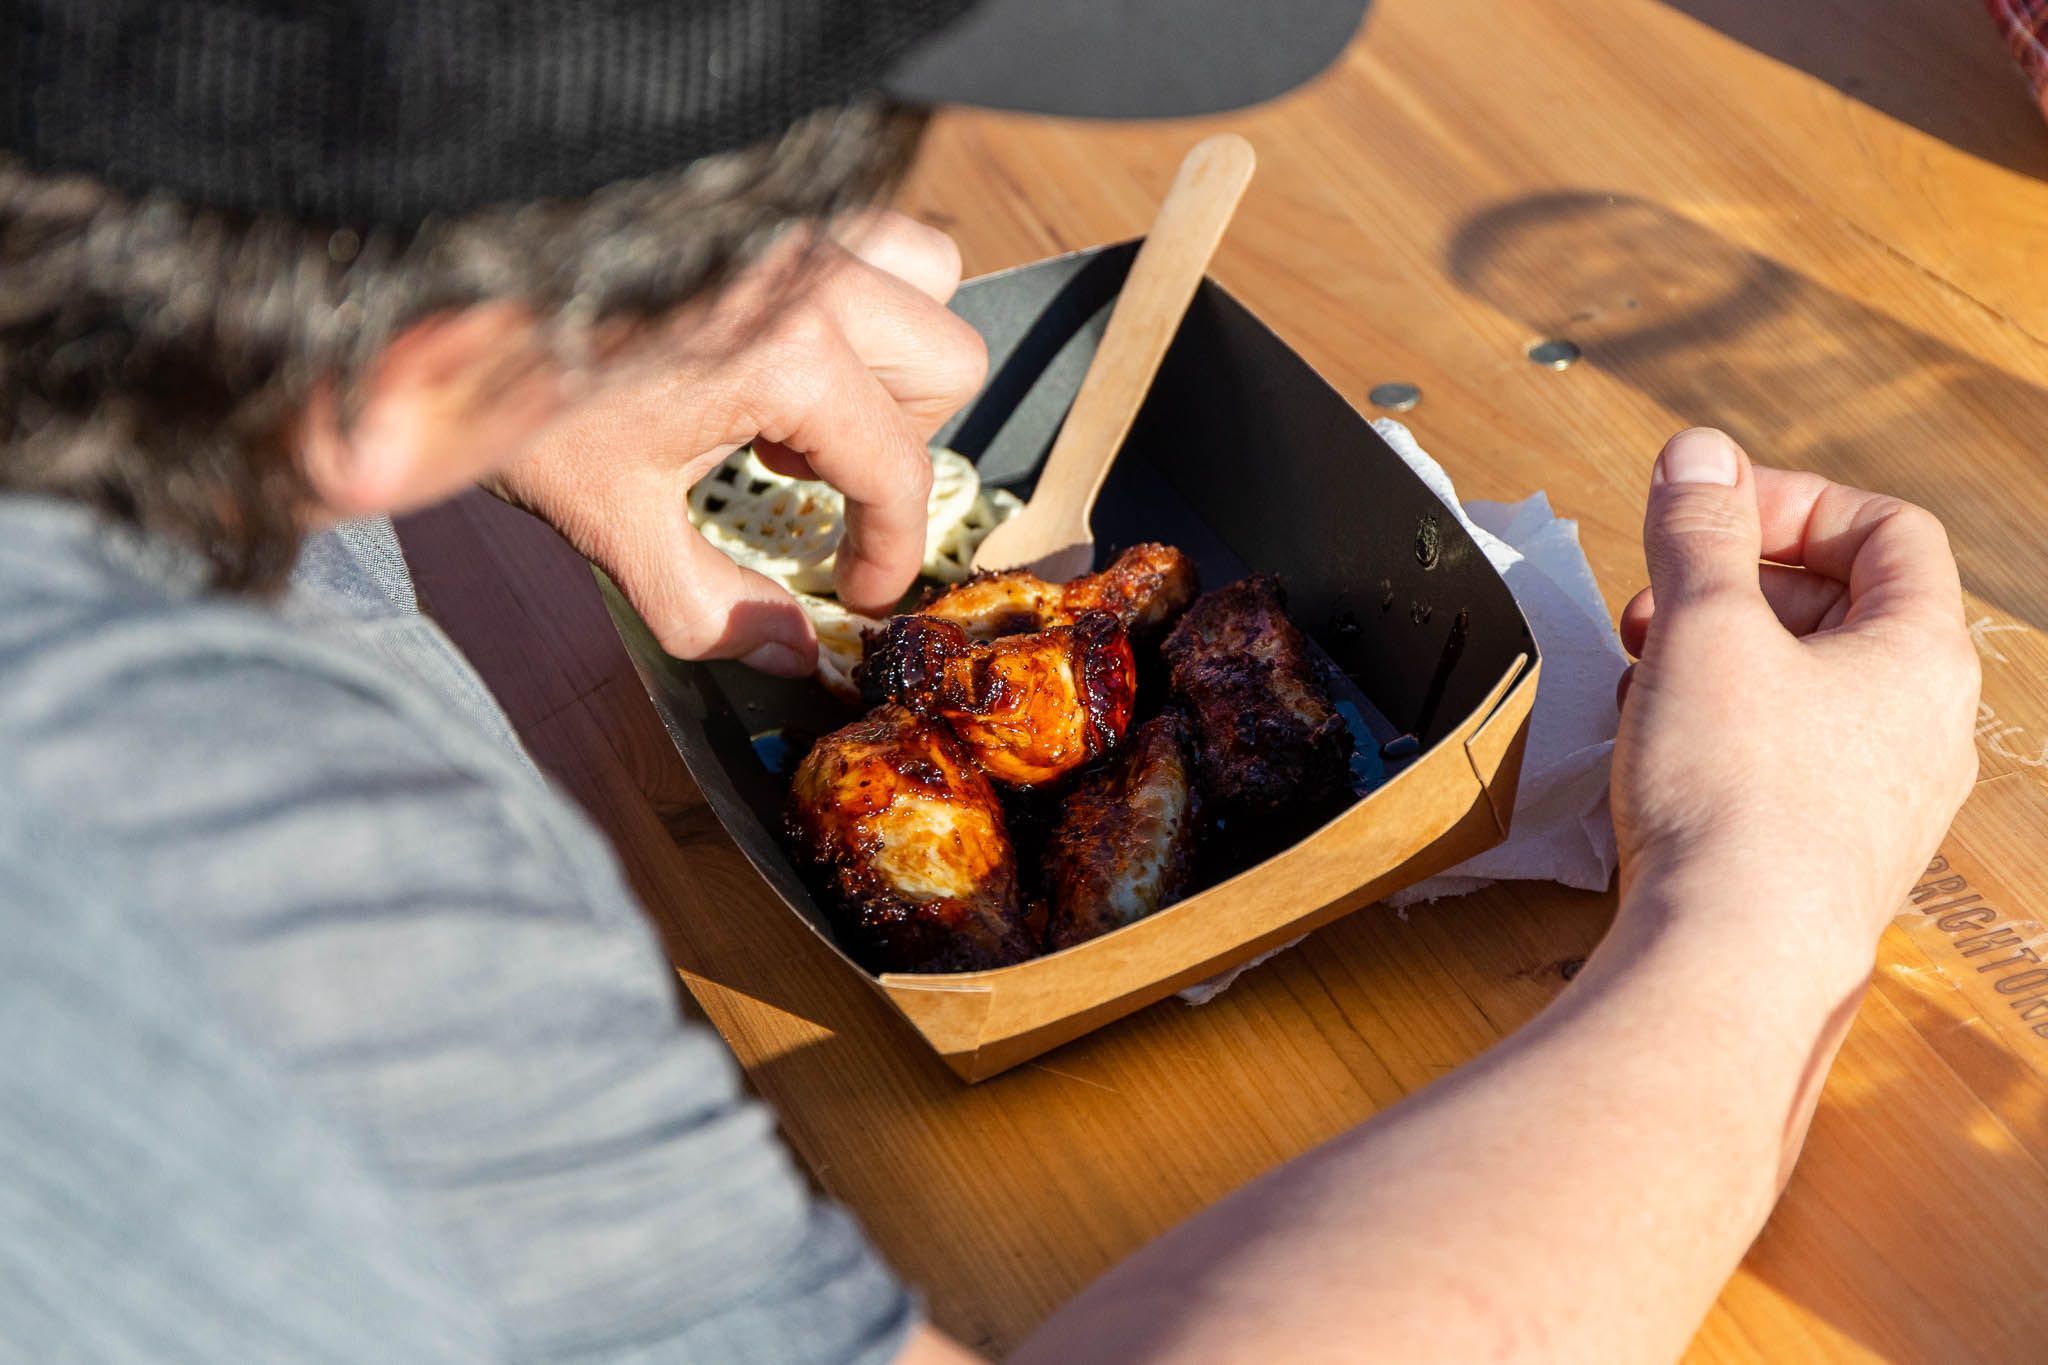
[
  {"x": 912, "y": 838},
  {"x": 1125, "y": 843},
  {"x": 1030, "y": 708},
  {"x": 1145, "y": 588},
  {"x": 1266, "y": 734}
]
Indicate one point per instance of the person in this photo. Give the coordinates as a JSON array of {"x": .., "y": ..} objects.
[{"x": 332, "y": 1029}]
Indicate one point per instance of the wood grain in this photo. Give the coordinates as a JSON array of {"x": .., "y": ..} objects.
[{"x": 1818, "y": 225}]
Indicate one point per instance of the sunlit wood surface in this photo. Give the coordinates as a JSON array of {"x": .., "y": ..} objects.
[{"x": 1820, "y": 225}]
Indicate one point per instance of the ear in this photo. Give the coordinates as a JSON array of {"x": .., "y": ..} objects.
[{"x": 453, "y": 397}]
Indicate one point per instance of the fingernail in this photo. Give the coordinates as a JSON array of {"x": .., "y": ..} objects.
[
  {"x": 775, "y": 658},
  {"x": 1700, "y": 455}
]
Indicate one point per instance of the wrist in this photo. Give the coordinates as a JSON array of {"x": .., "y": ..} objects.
[{"x": 1790, "y": 932}]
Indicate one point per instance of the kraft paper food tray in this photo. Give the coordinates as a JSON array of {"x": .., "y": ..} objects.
[{"x": 1244, "y": 457}]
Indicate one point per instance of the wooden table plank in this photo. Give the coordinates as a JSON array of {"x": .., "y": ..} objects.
[{"x": 1742, "y": 216}]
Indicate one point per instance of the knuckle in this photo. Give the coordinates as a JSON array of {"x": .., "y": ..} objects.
[
  {"x": 694, "y": 618},
  {"x": 798, "y": 333},
  {"x": 914, "y": 472},
  {"x": 1692, "y": 562},
  {"x": 684, "y": 632},
  {"x": 946, "y": 263},
  {"x": 937, "y": 250},
  {"x": 729, "y": 414},
  {"x": 882, "y": 227},
  {"x": 681, "y": 641},
  {"x": 785, "y": 371},
  {"x": 898, "y": 473},
  {"x": 1697, "y": 544},
  {"x": 963, "y": 360},
  {"x": 1915, "y": 521},
  {"x": 777, "y": 398},
  {"x": 881, "y": 242},
  {"x": 1704, "y": 518},
  {"x": 1941, "y": 651},
  {"x": 1885, "y": 507},
  {"x": 932, "y": 252}
]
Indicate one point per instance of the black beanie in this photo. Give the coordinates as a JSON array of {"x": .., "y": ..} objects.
[{"x": 381, "y": 112}]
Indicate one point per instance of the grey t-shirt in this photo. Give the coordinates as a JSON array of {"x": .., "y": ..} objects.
[{"x": 327, "y": 1029}]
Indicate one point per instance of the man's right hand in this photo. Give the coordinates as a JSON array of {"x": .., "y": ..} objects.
[
  {"x": 839, "y": 359},
  {"x": 1793, "y": 743}
]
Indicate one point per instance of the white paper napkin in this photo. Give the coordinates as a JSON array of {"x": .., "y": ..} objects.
[{"x": 1562, "y": 832}]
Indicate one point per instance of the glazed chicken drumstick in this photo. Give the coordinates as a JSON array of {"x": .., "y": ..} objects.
[
  {"x": 1145, "y": 587},
  {"x": 1125, "y": 842},
  {"x": 912, "y": 838},
  {"x": 1030, "y": 708}
]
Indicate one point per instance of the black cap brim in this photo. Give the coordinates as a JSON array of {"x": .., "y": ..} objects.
[{"x": 1127, "y": 58}]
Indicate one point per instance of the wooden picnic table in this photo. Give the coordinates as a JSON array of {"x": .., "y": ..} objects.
[{"x": 1821, "y": 226}]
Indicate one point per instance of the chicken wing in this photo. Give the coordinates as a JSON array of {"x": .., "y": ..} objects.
[
  {"x": 912, "y": 837},
  {"x": 1125, "y": 842},
  {"x": 1030, "y": 708},
  {"x": 1145, "y": 587},
  {"x": 1267, "y": 737}
]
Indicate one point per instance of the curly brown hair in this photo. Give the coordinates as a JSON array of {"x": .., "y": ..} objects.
[{"x": 153, "y": 354}]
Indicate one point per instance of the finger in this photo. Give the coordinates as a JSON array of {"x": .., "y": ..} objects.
[
  {"x": 1700, "y": 532},
  {"x": 1634, "y": 623},
  {"x": 696, "y": 600},
  {"x": 1621, "y": 686},
  {"x": 882, "y": 546},
  {"x": 1904, "y": 570},
  {"x": 827, "y": 407},
  {"x": 922, "y": 256},
  {"x": 927, "y": 357},
  {"x": 1803, "y": 602},
  {"x": 784, "y": 461},
  {"x": 1894, "y": 557}
]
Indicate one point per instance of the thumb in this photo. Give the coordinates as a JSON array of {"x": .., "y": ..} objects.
[
  {"x": 698, "y": 602},
  {"x": 1701, "y": 533}
]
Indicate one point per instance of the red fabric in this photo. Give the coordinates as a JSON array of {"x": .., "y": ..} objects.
[{"x": 2026, "y": 27}]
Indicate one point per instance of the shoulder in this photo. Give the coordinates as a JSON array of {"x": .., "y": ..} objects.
[
  {"x": 326, "y": 824},
  {"x": 151, "y": 716}
]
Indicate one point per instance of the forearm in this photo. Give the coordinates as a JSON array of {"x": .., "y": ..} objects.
[{"x": 1582, "y": 1192}]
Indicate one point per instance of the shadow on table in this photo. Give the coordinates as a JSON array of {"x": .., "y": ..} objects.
[
  {"x": 1904, "y": 1254},
  {"x": 1801, "y": 375},
  {"x": 1938, "y": 65}
]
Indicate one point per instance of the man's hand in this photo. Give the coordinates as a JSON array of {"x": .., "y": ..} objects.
[
  {"x": 1799, "y": 732},
  {"x": 840, "y": 360},
  {"x": 1793, "y": 744}
]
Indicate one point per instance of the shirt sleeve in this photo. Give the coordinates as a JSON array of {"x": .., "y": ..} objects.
[
  {"x": 441, "y": 955},
  {"x": 165, "y": 1196}
]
